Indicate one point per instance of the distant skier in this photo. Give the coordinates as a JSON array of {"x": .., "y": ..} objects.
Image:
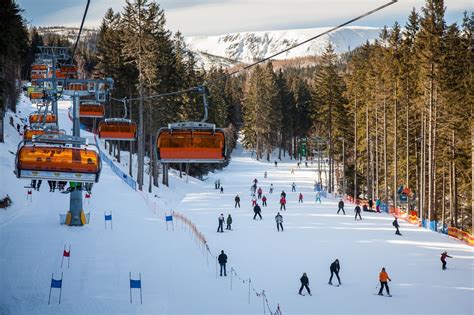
[
  {"x": 340, "y": 206},
  {"x": 306, "y": 163},
  {"x": 357, "y": 211},
  {"x": 221, "y": 219},
  {"x": 292, "y": 171},
  {"x": 253, "y": 189},
  {"x": 377, "y": 205},
  {"x": 259, "y": 193},
  {"x": 276, "y": 163},
  {"x": 318, "y": 197},
  {"x": 218, "y": 183},
  {"x": 254, "y": 201},
  {"x": 283, "y": 194},
  {"x": 215, "y": 184},
  {"x": 371, "y": 204},
  {"x": 282, "y": 203},
  {"x": 222, "y": 259},
  {"x": 265, "y": 174},
  {"x": 304, "y": 284},
  {"x": 396, "y": 225},
  {"x": 271, "y": 189},
  {"x": 298, "y": 164},
  {"x": 264, "y": 201},
  {"x": 222, "y": 190},
  {"x": 257, "y": 211},
  {"x": 383, "y": 277},
  {"x": 300, "y": 198},
  {"x": 293, "y": 187},
  {"x": 18, "y": 127},
  {"x": 279, "y": 221},
  {"x": 237, "y": 201},
  {"x": 334, "y": 268},
  {"x": 443, "y": 259},
  {"x": 229, "y": 223},
  {"x": 255, "y": 181}
]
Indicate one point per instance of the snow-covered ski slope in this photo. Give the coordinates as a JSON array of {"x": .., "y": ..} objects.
[{"x": 175, "y": 275}]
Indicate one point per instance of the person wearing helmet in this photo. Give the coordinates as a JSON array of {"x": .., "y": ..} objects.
[
  {"x": 383, "y": 278},
  {"x": 304, "y": 284},
  {"x": 444, "y": 255}
]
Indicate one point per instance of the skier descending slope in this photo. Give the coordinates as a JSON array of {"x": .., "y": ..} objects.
[
  {"x": 279, "y": 221},
  {"x": 334, "y": 268},
  {"x": 383, "y": 277},
  {"x": 237, "y": 201},
  {"x": 396, "y": 225},
  {"x": 340, "y": 206},
  {"x": 304, "y": 284},
  {"x": 443, "y": 259},
  {"x": 357, "y": 212},
  {"x": 257, "y": 211}
]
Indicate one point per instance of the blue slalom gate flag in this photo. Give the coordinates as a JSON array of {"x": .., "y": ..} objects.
[
  {"x": 169, "y": 218},
  {"x": 135, "y": 284},
  {"x": 108, "y": 217},
  {"x": 56, "y": 283}
]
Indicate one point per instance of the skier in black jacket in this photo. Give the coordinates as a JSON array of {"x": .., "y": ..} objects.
[
  {"x": 357, "y": 211},
  {"x": 304, "y": 284},
  {"x": 237, "y": 201},
  {"x": 334, "y": 268},
  {"x": 257, "y": 210},
  {"x": 340, "y": 207},
  {"x": 396, "y": 225},
  {"x": 222, "y": 259}
]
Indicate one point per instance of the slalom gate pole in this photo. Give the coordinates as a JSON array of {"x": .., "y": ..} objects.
[
  {"x": 105, "y": 221},
  {"x": 69, "y": 258},
  {"x": 50, "y": 288},
  {"x": 62, "y": 258},
  {"x": 140, "y": 276},
  {"x": 130, "y": 280},
  {"x": 263, "y": 301},
  {"x": 111, "y": 221},
  {"x": 250, "y": 282},
  {"x": 61, "y": 288}
]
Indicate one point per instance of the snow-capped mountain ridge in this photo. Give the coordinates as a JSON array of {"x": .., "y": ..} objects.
[{"x": 251, "y": 46}]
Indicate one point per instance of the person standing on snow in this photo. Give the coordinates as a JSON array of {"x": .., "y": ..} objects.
[
  {"x": 276, "y": 163},
  {"x": 340, "y": 206},
  {"x": 271, "y": 189},
  {"x": 383, "y": 277},
  {"x": 222, "y": 259},
  {"x": 222, "y": 190},
  {"x": 215, "y": 184},
  {"x": 237, "y": 201},
  {"x": 357, "y": 211},
  {"x": 218, "y": 183},
  {"x": 220, "y": 228},
  {"x": 334, "y": 268},
  {"x": 318, "y": 197},
  {"x": 264, "y": 201},
  {"x": 229, "y": 223},
  {"x": 304, "y": 284},
  {"x": 283, "y": 203},
  {"x": 265, "y": 174},
  {"x": 371, "y": 204},
  {"x": 300, "y": 198},
  {"x": 293, "y": 187},
  {"x": 396, "y": 225},
  {"x": 292, "y": 171},
  {"x": 443, "y": 259},
  {"x": 283, "y": 194},
  {"x": 279, "y": 221},
  {"x": 259, "y": 193},
  {"x": 257, "y": 210},
  {"x": 377, "y": 205},
  {"x": 254, "y": 201}
]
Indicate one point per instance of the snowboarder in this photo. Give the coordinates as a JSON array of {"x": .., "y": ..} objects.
[
  {"x": 257, "y": 210},
  {"x": 396, "y": 225},
  {"x": 304, "y": 284},
  {"x": 279, "y": 221},
  {"x": 271, "y": 189},
  {"x": 357, "y": 212},
  {"x": 222, "y": 190},
  {"x": 221, "y": 219},
  {"x": 377, "y": 205},
  {"x": 222, "y": 259},
  {"x": 334, "y": 268},
  {"x": 264, "y": 201},
  {"x": 254, "y": 201},
  {"x": 383, "y": 277},
  {"x": 276, "y": 163},
  {"x": 293, "y": 187},
  {"x": 229, "y": 223},
  {"x": 259, "y": 192},
  {"x": 443, "y": 259},
  {"x": 283, "y": 203},
  {"x": 318, "y": 197},
  {"x": 237, "y": 201},
  {"x": 371, "y": 204},
  {"x": 340, "y": 206},
  {"x": 300, "y": 198},
  {"x": 265, "y": 174}
]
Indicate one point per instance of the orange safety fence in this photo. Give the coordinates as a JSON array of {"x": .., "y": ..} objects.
[{"x": 461, "y": 235}]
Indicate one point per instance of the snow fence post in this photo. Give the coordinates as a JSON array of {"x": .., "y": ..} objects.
[{"x": 263, "y": 301}]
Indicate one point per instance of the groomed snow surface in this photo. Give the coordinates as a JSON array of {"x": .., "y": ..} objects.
[{"x": 176, "y": 277}]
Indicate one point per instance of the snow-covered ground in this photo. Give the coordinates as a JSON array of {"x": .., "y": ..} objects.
[{"x": 176, "y": 275}]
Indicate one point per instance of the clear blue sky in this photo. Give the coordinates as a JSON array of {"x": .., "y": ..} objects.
[{"x": 214, "y": 17}]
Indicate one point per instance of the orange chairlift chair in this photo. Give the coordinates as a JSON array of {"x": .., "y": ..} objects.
[
  {"x": 54, "y": 159},
  {"x": 118, "y": 128},
  {"x": 30, "y": 133},
  {"x": 191, "y": 142},
  {"x": 43, "y": 118},
  {"x": 91, "y": 110}
]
